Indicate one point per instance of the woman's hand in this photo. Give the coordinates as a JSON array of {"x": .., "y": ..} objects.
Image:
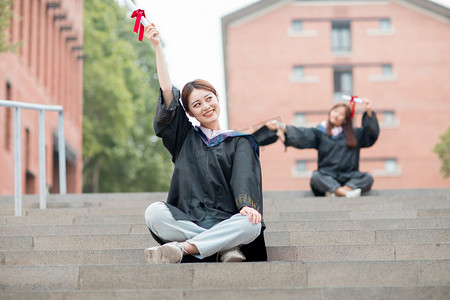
[
  {"x": 152, "y": 34},
  {"x": 279, "y": 127},
  {"x": 368, "y": 106},
  {"x": 253, "y": 215}
]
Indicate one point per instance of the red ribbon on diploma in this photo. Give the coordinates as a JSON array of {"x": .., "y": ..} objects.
[
  {"x": 138, "y": 27},
  {"x": 352, "y": 104}
]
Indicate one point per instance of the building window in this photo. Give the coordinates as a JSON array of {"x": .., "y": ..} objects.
[
  {"x": 298, "y": 73},
  {"x": 297, "y": 26},
  {"x": 299, "y": 119},
  {"x": 340, "y": 36},
  {"x": 343, "y": 82},
  {"x": 389, "y": 117},
  {"x": 298, "y": 76},
  {"x": 300, "y": 169},
  {"x": 387, "y": 74},
  {"x": 301, "y": 166},
  {"x": 389, "y": 120},
  {"x": 385, "y": 24},
  {"x": 386, "y": 70},
  {"x": 391, "y": 166},
  {"x": 297, "y": 29}
]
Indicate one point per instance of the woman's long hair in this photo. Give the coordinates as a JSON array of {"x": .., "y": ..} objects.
[
  {"x": 347, "y": 126},
  {"x": 198, "y": 84}
]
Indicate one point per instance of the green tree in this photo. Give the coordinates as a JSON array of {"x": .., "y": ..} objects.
[
  {"x": 442, "y": 149},
  {"x": 6, "y": 16},
  {"x": 121, "y": 152}
]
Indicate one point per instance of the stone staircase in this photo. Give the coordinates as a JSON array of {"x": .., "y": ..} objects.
[{"x": 392, "y": 244}]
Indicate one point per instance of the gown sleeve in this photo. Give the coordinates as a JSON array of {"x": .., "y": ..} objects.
[
  {"x": 301, "y": 137},
  {"x": 368, "y": 133},
  {"x": 245, "y": 182},
  {"x": 171, "y": 123}
]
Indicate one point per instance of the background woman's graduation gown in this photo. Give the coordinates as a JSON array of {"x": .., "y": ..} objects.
[
  {"x": 212, "y": 178},
  {"x": 334, "y": 157}
]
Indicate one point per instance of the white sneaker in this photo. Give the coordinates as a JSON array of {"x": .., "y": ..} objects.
[
  {"x": 232, "y": 255},
  {"x": 330, "y": 194},
  {"x": 353, "y": 193},
  {"x": 169, "y": 253}
]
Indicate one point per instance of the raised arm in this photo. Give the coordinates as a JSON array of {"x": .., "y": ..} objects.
[
  {"x": 152, "y": 34},
  {"x": 368, "y": 134}
]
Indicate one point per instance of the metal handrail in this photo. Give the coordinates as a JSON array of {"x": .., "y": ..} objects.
[{"x": 42, "y": 160}]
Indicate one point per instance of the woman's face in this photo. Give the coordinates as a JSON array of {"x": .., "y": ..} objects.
[
  {"x": 337, "y": 116},
  {"x": 204, "y": 106}
]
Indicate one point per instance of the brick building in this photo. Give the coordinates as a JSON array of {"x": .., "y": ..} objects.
[
  {"x": 47, "y": 69},
  {"x": 292, "y": 60}
]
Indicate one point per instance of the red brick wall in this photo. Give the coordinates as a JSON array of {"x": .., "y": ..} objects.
[
  {"x": 45, "y": 70},
  {"x": 260, "y": 55}
]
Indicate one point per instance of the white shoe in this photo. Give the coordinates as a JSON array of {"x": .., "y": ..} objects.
[
  {"x": 169, "y": 253},
  {"x": 232, "y": 255},
  {"x": 330, "y": 194},
  {"x": 353, "y": 193}
]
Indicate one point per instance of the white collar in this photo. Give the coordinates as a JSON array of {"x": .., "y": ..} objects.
[{"x": 212, "y": 133}]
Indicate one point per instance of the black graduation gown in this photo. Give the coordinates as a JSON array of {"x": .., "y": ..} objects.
[
  {"x": 215, "y": 180},
  {"x": 334, "y": 157}
]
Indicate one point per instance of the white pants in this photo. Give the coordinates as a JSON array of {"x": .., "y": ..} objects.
[{"x": 232, "y": 232}]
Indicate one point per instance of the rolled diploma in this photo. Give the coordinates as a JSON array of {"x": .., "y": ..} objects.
[
  {"x": 132, "y": 8},
  {"x": 348, "y": 98}
]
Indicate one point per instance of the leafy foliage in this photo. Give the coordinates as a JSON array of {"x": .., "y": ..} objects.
[
  {"x": 121, "y": 152},
  {"x": 443, "y": 151},
  {"x": 6, "y": 16}
]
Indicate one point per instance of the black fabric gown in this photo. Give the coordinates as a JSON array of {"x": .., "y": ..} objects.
[
  {"x": 334, "y": 157},
  {"x": 212, "y": 178}
]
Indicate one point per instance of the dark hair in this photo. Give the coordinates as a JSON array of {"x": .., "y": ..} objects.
[
  {"x": 198, "y": 84},
  {"x": 347, "y": 126}
]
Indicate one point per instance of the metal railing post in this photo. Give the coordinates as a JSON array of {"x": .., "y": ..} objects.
[
  {"x": 42, "y": 154},
  {"x": 62, "y": 155},
  {"x": 17, "y": 165},
  {"x": 42, "y": 162}
]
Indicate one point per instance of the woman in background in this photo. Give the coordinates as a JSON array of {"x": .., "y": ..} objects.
[{"x": 338, "y": 145}]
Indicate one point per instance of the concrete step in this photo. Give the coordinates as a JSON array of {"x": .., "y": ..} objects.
[
  {"x": 36, "y": 230},
  {"x": 391, "y": 193},
  {"x": 273, "y": 238},
  {"x": 273, "y": 275},
  {"x": 360, "y": 252},
  {"x": 69, "y": 219},
  {"x": 52, "y": 217},
  {"x": 311, "y": 225},
  {"x": 94, "y": 199},
  {"x": 77, "y": 242},
  {"x": 360, "y": 204},
  {"x": 357, "y": 215},
  {"x": 157, "y": 196},
  {"x": 272, "y": 200},
  {"x": 321, "y": 203},
  {"x": 298, "y": 293},
  {"x": 426, "y": 251}
]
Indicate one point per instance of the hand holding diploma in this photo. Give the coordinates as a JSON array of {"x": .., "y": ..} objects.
[
  {"x": 355, "y": 99},
  {"x": 141, "y": 21},
  {"x": 352, "y": 103},
  {"x": 152, "y": 34},
  {"x": 368, "y": 105}
]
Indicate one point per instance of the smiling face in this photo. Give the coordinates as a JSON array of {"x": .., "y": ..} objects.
[
  {"x": 337, "y": 116},
  {"x": 204, "y": 106}
]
